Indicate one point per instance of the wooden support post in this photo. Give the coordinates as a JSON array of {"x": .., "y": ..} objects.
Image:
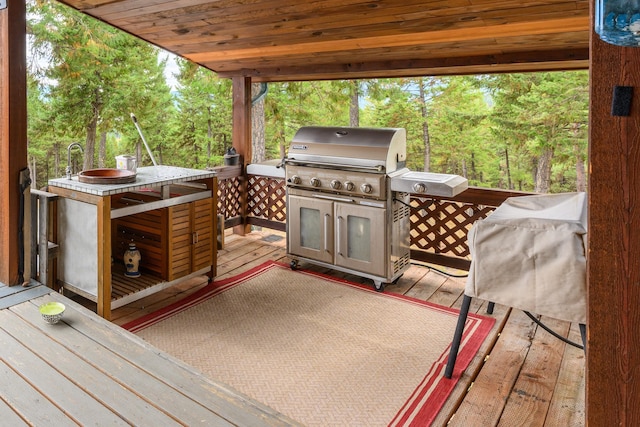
[
  {"x": 104, "y": 257},
  {"x": 613, "y": 359},
  {"x": 13, "y": 135},
  {"x": 242, "y": 139}
]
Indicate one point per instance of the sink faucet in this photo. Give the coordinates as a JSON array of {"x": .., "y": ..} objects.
[{"x": 73, "y": 144}]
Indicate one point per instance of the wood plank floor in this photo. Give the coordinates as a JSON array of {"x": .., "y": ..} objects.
[
  {"x": 530, "y": 378},
  {"x": 85, "y": 370}
]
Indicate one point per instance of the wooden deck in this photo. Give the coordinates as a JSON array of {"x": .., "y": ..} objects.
[
  {"x": 529, "y": 379},
  {"x": 87, "y": 371}
]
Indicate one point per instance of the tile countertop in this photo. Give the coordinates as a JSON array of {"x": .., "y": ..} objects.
[{"x": 146, "y": 177}]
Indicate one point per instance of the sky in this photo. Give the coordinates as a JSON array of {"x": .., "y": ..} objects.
[{"x": 171, "y": 68}]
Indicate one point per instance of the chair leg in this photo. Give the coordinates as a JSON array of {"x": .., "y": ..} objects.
[
  {"x": 457, "y": 336},
  {"x": 490, "y": 307},
  {"x": 583, "y": 334}
]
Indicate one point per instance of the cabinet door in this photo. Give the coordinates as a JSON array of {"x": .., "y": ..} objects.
[
  {"x": 361, "y": 238},
  {"x": 191, "y": 238},
  {"x": 203, "y": 234},
  {"x": 179, "y": 241},
  {"x": 310, "y": 223}
]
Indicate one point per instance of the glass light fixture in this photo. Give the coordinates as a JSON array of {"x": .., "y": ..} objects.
[{"x": 618, "y": 21}]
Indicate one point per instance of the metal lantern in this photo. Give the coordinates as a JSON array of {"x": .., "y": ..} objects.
[{"x": 618, "y": 21}]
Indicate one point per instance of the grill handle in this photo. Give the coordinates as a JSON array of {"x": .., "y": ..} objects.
[
  {"x": 376, "y": 168},
  {"x": 334, "y": 198}
]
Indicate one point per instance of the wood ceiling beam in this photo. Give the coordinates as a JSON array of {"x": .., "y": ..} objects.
[
  {"x": 557, "y": 60},
  {"x": 551, "y": 26}
]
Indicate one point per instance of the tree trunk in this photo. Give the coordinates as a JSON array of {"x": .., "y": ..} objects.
[
  {"x": 281, "y": 136},
  {"x": 57, "y": 171},
  {"x": 102, "y": 150},
  {"x": 92, "y": 129},
  {"x": 90, "y": 143},
  {"x": 209, "y": 137},
  {"x": 257, "y": 125},
  {"x": 139, "y": 152},
  {"x": 425, "y": 128},
  {"x": 506, "y": 157},
  {"x": 543, "y": 173},
  {"x": 474, "y": 174},
  {"x": 581, "y": 176},
  {"x": 34, "y": 174},
  {"x": 354, "y": 107}
]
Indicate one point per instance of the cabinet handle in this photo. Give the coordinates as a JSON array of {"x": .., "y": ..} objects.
[
  {"x": 194, "y": 237},
  {"x": 339, "y": 243},
  {"x": 327, "y": 217}
]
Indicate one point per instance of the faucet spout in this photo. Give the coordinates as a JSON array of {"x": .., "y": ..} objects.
[{"x": 69, "y": 148}]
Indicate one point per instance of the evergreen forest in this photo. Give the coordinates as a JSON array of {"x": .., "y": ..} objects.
[{"x": 524, "y": 132}]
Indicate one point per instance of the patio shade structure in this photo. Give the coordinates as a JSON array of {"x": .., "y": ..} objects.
[
  {"x": 263, "y": 41},
  {"x": 279, "y": 40}
]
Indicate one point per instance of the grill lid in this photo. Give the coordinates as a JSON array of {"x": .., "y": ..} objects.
[{"x": 379, "y": 149}]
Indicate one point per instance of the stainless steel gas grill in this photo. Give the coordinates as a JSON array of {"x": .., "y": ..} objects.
[{"x": 343, "y": 211}]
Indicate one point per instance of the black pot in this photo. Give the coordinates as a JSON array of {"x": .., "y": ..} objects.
[{"x": 231, "y": 158}]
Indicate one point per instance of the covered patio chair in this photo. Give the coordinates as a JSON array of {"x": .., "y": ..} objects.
[{"x": 530, "y": 254}]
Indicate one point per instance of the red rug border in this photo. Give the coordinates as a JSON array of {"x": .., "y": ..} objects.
[{"x": 416, "y": 411}]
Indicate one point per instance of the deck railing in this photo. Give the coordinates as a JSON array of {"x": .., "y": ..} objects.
[{"x": 439, "y": 226}]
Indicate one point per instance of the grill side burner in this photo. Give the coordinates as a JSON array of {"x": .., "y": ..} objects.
[{"x": 427, "y": 183}]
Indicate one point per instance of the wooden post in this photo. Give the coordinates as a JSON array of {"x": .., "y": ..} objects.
[
  {"x": 242, "y": 139},
  {"x": 613, "y": 356},
  {"x": 104, "y": 257},
  {"x": 13, "y": 134}
]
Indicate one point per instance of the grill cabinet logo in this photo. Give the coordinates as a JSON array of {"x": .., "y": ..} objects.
[{"x": 299, "y": 147}]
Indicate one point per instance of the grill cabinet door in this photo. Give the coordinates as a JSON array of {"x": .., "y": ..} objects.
[
  {"x": 361, "y": 238},
  {"x": 310, "y": 228}
]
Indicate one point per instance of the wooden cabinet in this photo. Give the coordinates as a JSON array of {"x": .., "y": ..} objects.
[
  {"x": 174, "y": 241},
  {"x": 169, "y": 212},
  {"x": 191, "y": 237}
]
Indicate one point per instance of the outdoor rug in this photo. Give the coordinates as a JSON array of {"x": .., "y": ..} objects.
[{"x": 321, "y": 350}]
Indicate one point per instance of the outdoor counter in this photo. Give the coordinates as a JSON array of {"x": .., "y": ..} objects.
[
  {"x": 148, "y": 176},
  {"x": 169, "y": 212}
]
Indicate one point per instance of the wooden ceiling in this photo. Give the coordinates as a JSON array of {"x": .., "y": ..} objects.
[{"x": 278, "y": 40}]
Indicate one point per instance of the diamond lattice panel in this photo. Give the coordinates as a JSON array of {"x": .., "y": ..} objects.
[{"x": 441, "y": 226}]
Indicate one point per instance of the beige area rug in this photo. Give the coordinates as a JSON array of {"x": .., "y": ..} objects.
[{"x": 321, "y": 350}]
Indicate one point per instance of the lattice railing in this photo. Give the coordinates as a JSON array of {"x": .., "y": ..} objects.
[
  {"x": 266, "y": 199},
  {"x": 229, "y": 197},
  {"x": 439, "y": 226}
]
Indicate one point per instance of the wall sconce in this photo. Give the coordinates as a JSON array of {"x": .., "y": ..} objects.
[{"x": 618, "y": 21}]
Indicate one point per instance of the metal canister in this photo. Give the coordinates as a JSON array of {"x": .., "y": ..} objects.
[{"x": 126, "y": 162}]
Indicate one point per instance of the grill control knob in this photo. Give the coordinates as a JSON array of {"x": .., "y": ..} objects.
[
  {"x": 419, "y": 187},
  {"x": 349, "y": 186},
  {"x": 336, "y": 185},
  {"x": 366, "y": 188},
  {"x": 295, "y": 179},
  {"x": 315, "y": 182}
]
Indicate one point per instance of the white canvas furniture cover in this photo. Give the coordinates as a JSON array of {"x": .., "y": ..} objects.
[{"x": 530, "y": 253}]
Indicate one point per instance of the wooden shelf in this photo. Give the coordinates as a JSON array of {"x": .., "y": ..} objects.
[{"x": 125, "y": 290}]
